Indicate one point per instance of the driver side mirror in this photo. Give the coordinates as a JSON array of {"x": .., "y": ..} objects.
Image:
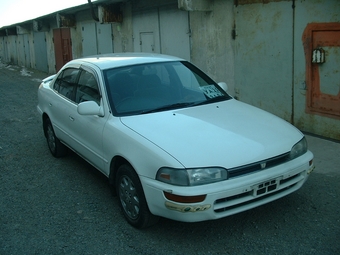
[
  {"x": 90, "y": 108},
  {"x": 223, "y": 86}
]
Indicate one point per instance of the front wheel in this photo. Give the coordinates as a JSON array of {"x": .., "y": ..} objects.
[{"x": 131, "y": 198}]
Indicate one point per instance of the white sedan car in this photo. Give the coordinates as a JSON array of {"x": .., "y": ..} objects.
[{"x": 172, "y": 142}]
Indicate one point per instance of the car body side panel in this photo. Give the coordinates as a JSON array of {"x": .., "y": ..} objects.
[
  {"x": 85, "y": 136},
  {"x": 56, "y": 107},
  {"x": 144, "y": 156}
]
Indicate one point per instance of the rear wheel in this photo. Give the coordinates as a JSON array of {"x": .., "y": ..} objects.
[
  {"x": 56, "y": 148},
  {"x": 132, "y": 199}
]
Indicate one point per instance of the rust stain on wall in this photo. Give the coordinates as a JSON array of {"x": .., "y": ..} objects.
[{"x": 111, "y": 13}]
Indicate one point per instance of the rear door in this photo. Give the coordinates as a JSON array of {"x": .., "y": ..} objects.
[{"x": 62, "y": 102}]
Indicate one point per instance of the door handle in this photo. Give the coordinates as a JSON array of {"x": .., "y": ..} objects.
[{"x": 71, "y": 118}]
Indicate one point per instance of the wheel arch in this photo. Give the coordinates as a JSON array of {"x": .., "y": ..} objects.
[
  {"x": 45, "y": 117},
  {"x": 116, "y": 162}
]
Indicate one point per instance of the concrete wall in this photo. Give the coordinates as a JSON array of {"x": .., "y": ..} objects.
[
  {"x": 271, "y": 63},
  {"x": 122, "y": 32},
  {"x": 211, "y": 41}
]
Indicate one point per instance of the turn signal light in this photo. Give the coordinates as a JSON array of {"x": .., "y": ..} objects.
[{"x": 184, "y": 199}]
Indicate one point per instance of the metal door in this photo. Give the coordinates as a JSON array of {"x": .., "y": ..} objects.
[
  {"x": 104, "y": 38},
  {"x": 147, "y": 42},
  {"x": 146, "y": 31},
  {"x": 274, "y": 44},
  {"x": 174, "y": 32},
  {"x": 40, "y": 50},
  {"x": 88, "y": 32},
  {"x": 27, "y": 51},
  {"x": 263, "y": 56},
  {"x": 97, "y": 38},
  {"x": 162, "y": 30},
  {"x": 3, "y": 49},
  {"x": 62, "y": 46},
  {"x": 322, "y": 48},
  {"x": 21, "y": 50}
]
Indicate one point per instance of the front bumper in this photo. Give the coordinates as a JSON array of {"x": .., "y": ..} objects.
[{"x": 231, "y": 196}]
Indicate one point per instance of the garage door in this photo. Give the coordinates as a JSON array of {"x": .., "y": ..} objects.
[{"x": 162, "y": 30}]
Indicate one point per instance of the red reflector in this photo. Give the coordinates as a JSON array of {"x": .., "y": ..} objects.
[{"x": 184, "y": 199}]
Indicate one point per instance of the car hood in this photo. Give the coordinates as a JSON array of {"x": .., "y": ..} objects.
[{"x": 228, "y": 134}]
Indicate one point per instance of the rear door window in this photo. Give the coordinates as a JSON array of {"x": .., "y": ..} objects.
[{"x": 66, "y": 83}]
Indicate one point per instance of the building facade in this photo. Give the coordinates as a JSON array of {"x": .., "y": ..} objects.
[{"x": 279, "y": 55}]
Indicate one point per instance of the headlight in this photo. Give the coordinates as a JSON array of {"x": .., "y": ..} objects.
[
  {"x": 298, "y": 149},
  {"x": 191, "y": 177}
]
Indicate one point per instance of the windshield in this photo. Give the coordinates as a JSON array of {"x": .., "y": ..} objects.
[{"x": 147, "y": 88}]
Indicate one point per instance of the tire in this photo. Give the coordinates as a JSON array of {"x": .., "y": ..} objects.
[
  {"x": 132, "y": 199},
  {"x": 56, "y": 148}
]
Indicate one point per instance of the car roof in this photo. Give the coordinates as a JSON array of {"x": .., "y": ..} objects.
[{"x": 106, "y": 61}]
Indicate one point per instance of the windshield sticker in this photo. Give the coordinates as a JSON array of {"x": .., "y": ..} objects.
[{"x": 211, "y": 91}]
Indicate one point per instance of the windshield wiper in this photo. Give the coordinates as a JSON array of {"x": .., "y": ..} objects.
[
  {"x": 168, "y": 107},
  {"x": 185, "y": 104},
  {"x": 212, "y": 100}
]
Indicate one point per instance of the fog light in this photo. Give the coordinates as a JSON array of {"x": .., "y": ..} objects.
[{"x": 184, "y": 199}]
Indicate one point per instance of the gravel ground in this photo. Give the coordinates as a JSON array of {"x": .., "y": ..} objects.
[{"x": 64, "y": 206}]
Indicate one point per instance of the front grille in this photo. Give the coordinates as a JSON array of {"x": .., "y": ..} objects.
[
  {"x": 252, "y": 201},
  {"x": 258, "y": 192},
  {"x": 257, "y": 166}
]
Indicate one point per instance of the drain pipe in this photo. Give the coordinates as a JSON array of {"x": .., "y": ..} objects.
[
  {"x": 92, "y": 11},
  {"x": 293, "y": 66}
]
